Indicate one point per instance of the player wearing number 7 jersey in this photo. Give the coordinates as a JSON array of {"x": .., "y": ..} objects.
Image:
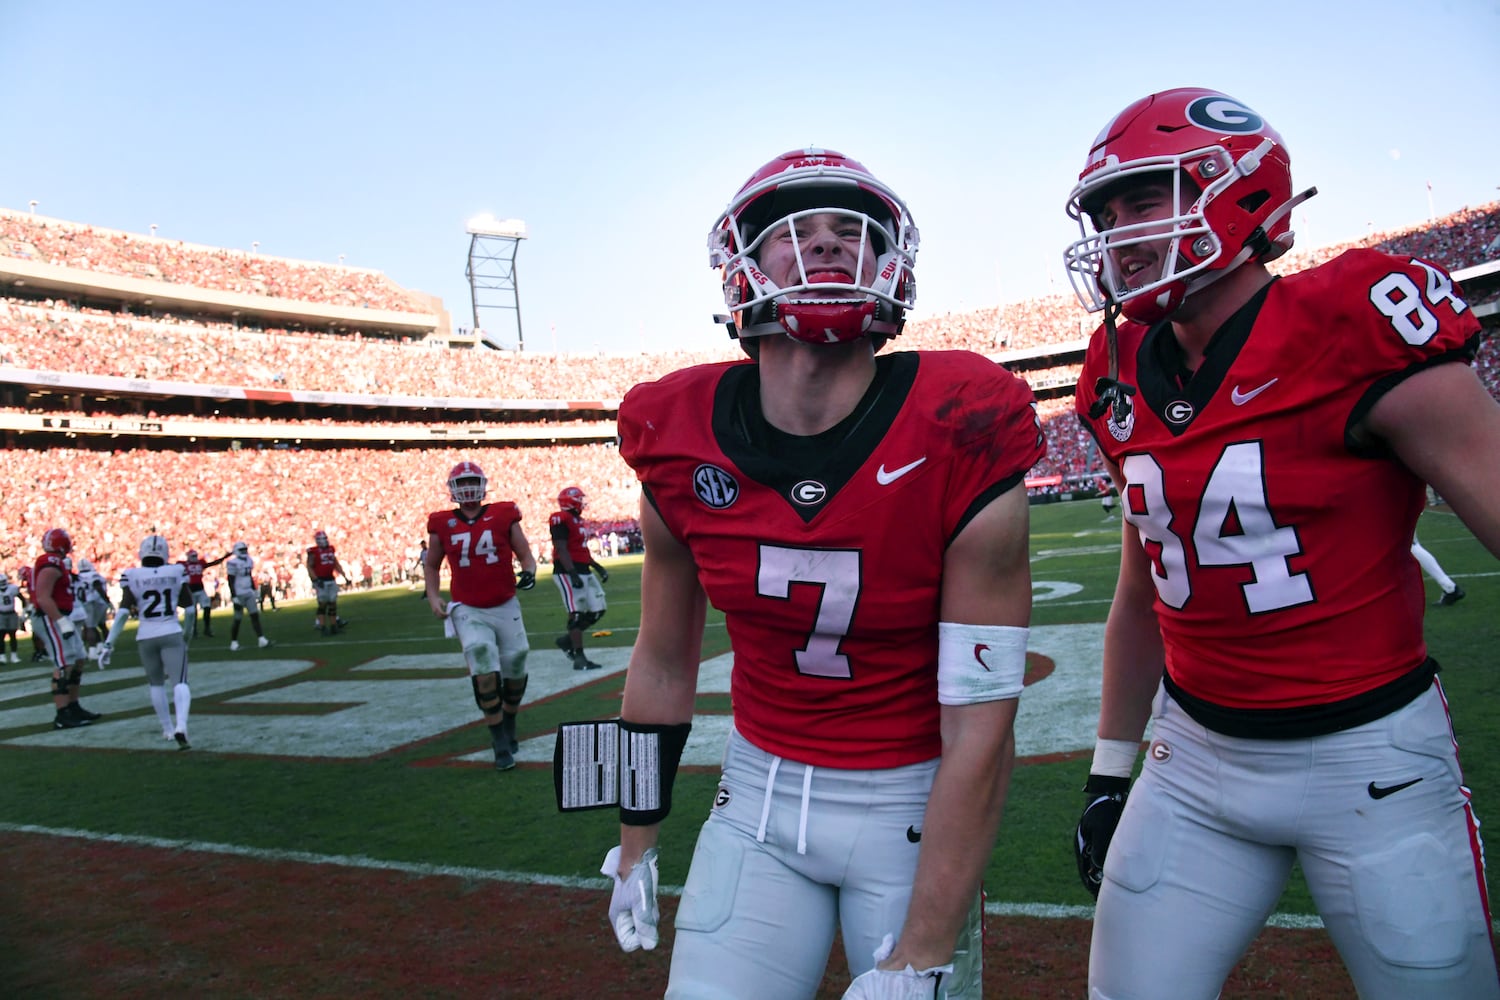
[
  {"x": 861, "y": 522},
  {"x": 1270, "y": 438},
  {"x": 482, "y": 542}
]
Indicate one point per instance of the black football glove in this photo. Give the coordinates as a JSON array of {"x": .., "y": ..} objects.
[
  {"x": 576, "y": 579},
  {"x": 603, "y": 573},
  {"x": 1096, "y": 827},
  {"x": 525, "y": 580}
]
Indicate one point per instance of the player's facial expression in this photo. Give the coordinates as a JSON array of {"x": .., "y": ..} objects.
[
  {"x": 828, "y": 244},
  {"x": 1138, "y": 206}
]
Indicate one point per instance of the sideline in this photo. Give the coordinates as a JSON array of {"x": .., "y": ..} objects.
[{"x": 1044, "y": 911}]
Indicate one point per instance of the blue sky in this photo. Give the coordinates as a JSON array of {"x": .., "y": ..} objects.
[{"x": 619, "y": 131}]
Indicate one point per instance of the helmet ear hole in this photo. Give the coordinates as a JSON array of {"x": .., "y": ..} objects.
[{"x": 1252, "y": 201}]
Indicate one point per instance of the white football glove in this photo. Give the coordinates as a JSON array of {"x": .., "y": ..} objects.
[
  {"x": 632, "y": 908},
  {"x": 65, "y": 627},
  {"x": 892, "y": 984},
  {"x": 105, "y": 652}
]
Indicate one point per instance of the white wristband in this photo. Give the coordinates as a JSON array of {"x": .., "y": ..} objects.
[
  {"x": 1115, "y": 758},
  {"x": 979, "y": 663}
]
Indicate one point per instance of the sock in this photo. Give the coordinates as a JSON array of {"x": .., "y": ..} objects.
[
  {"x": 184, "y": 698},
  {"x": 159, "y": 702},
  {"x": 497, "y": 735}
]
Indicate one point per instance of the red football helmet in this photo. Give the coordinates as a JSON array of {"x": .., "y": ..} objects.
[
  {"x": 467, "y": 483},
  {"x": 192, "y": 555},
  {"x": 797, "y": 184},
  {"x": 320, "y": 539},
  {"x": 571, "y": 498},
  {"x": 1235, "y": 205},
  {"x": 57, "y": 541}
]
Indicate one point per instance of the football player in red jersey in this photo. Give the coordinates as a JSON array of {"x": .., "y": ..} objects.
[
  {"x": 52, "y": 606},
  {"x": 861, "y": 520},
  {"x": 1270, "y": 438},
  {"x": 195, "y": 567},
  {"x": 482, "y": 542},
  {"x": 322, "y": 567},
  {"x": 574, "y": 571}
]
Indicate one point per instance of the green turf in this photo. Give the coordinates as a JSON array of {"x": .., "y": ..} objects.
[{"x": 412, "y": 805}]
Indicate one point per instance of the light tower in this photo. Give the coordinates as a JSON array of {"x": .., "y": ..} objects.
[{"x": 492, "y": 269}]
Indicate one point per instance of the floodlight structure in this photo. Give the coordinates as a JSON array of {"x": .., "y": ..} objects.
[{"x": 492, "y": 270}]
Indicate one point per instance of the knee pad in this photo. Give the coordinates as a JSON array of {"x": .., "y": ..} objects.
[
  {"x": 488, "y": 701},
  {"x": 59, "y": 683},
  {"x": 589, "y": 617},
  {"x": 512, "y": 689},
  {"x": 513, "y": 667},
  {"x": 482, "y": 658},
  {"x": 75, "y": 676},
  {"x": 576, "y": 620}
]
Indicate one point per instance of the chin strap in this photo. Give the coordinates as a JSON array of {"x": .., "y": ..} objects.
[{"x": 1113, "y": 394}]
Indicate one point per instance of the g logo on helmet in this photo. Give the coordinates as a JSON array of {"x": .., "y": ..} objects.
[
  {"x": 1224, "y": 114},
  {"x": 809, "y": 492}
]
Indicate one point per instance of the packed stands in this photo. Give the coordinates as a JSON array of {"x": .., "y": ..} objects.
[{"x": 263, "y": 423}]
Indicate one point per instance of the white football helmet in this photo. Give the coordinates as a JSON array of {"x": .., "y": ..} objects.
[
  {"x": 84, "y": 566},
  {"x": 4, "y": 579},
  {"x": 153, "y": 546},
  {"x": 241, "y": 549}
]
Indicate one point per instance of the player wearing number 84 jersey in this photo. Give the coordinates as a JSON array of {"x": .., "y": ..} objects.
[{"x": 1270, "y": 438}]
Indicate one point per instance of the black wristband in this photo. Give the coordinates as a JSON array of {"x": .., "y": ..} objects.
[{"x": 649, "y": 755}]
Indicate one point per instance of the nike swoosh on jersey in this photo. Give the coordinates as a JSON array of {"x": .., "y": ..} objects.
[
  {"x": 885, "y": 478},
  {"x": 1377, "y": 792},
  {"x": 1241, "y": 398}
]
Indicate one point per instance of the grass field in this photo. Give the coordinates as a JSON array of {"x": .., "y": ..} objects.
[{"x": 366, "y": 749}]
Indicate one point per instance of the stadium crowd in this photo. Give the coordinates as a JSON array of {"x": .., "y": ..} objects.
[
  {"x": 67, "y": 244},
  {"x": 372, "y": 501}
]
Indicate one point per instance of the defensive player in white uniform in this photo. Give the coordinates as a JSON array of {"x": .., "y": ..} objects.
[
  {"x": 156, "y": 589},
  {"x": 243, "y": 594},
  {"x": 93, "y": 597},
  {"x": 1270, "y": 437},
  {"x": 10, "y": 618}
]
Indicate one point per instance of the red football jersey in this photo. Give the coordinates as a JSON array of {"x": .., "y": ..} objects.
[
  {"x": 194, "y": 569},
  {"x": 478, "y": 552},
  {"x": 322, "y": 559},
  {"x": 1281, "y": 551},
  {"x": 828, "y": 567},
  {"x": 62, "y": 586},
  {"x": 578, "y": 546}
]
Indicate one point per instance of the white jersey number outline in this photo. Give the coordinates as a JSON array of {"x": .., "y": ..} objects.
[
  {"x": 485, "y": 546},
  {"x": 837, "y": 573},
  {"x": 1399, "y": 300},
  {"x": 1235, "y": 494}
]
